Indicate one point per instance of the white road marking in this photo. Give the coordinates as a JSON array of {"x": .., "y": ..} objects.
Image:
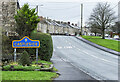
[
  {"x": 97, "y": 57},
  {"x": 66, "y": 47},
  {"x": 59, "y": 47}
]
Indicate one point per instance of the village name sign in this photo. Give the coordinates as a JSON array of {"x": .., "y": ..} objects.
[{"x": 26, "y": 42}]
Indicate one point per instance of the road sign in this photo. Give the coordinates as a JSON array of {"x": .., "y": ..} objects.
[{"x": 25, "y": 42}]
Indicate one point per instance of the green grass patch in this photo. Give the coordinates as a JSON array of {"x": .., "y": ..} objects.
[
  {"x": 28, "y": 75},
  {"x": 111, "y": 44},
  {"x": 42, "y": 61}
]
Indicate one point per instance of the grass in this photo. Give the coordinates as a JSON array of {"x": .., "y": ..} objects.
[
  {"x": 41, "y": 61},
  {"x": 111, "y": 44},
  {"x": 28, "y": 75}
]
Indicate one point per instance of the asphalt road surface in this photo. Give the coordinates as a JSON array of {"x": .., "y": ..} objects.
[{"x": 95, "y": 62}]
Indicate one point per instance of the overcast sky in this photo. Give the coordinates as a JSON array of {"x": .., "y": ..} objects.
[{"x": 67, "y": 10}]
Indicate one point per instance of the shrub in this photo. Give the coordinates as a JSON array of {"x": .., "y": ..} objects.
[
  {"x": 24, "y": 58},
  {"x": 7, "y": 67},
  {"x": 29, "y": 20},
  {"x": 46, "y": 46},
  {"x": 18, "y": 67}
]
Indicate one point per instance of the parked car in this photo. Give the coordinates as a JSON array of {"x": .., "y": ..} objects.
[
  {"x": 116, "y": 37},
  {"x": 106, "y": 35}
]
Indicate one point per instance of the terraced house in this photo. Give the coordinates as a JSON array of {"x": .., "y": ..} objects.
[{"x": 57, "y": 27}]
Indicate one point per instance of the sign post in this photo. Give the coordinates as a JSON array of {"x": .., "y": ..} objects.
[
  {"x": 37, "y": 55},
  {"x": 26, "y": 42},
  {"x": 14, "y": 54}
]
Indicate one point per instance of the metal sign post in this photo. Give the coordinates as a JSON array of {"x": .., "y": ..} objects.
[
  {"x": 14, "y": 54},
  {"x": 37, "y": 55}
]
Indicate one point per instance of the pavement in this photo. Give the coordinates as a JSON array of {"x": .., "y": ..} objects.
[
  {"x": 67, "y": 71},
  {"x": 98, "y": 46},
  {"x": 77, "y": 60}
]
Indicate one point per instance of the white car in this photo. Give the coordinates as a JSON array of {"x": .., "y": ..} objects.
[{"x": 116, "y": 37}]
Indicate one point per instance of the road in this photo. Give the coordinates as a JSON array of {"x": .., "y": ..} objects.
[{"x": 98, "y": 64}]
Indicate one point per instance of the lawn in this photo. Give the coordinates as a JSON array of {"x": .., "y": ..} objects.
[
  {"x": 111, "y": 44},
  {"x": 27, "y": 72},
  {"x": 27, "y": 75}
]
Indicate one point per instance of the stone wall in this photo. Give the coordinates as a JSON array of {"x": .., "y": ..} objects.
[
  {"x": 8, "y": 8},
  {"x": 119, "y": 11},
  {"x": 7, "y": 11}
]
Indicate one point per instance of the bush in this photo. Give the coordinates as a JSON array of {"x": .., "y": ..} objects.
[
  {"x": 7, "y": 67},
  {"x": 46, "y": 46},
  {"x": 7, "y": 50},
  {"x": 29, "y": 20},
  {"x": 24, "y": 58}
]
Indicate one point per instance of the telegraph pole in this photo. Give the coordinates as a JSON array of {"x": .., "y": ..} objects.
[
  {"x": 37, "y": 9},
  {"x": 47, "y": 26},
  {"x": 81, "y": 17},
  {"x": 37, "y": 14}
]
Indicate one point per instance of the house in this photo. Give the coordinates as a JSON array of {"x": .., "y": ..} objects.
[
  {"x": 86, "y": 30},
  {"x": 119, "y": 11},
  {"x": 42, "y": 25},
  {"x": 74, "y": 29},
  {"x": 56, "y": 27}
]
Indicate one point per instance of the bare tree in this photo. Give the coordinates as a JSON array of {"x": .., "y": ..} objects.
[
  {"x": 102, "y": 16},
  {"x": 94, "y": 28}
]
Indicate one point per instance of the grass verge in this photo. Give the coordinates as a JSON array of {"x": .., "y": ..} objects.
[
  {"x": 111, "y": 44},
  {"x": 27, "y": 75}
]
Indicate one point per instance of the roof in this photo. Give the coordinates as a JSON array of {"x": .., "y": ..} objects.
[{"x": 75, "y": 26}]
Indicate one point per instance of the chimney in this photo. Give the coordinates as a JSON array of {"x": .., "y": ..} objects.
[
  {"x": 61, "y": 22},
  {"x": 73, "y": 24},
  {"x": 41, "y": 18},
  {"x": 68, "y": 23}
]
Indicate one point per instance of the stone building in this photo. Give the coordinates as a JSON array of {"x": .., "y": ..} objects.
[
  {"x": 56, "y": 27},
  {"x": 119, "y": 11},
  {"x": 8, "y": 8}
]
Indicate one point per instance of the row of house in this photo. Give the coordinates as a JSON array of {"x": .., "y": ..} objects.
[{"x": 55, "y": 27}]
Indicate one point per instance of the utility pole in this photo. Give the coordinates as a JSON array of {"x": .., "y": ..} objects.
[
  {"x": 37, "y": 14},
  {"x": 47, "y": 26},
  {"x": 37, "y": 9},
  {"x": 81, "y": 17}
]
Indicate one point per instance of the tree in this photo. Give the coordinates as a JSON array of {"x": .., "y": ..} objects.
[
  {"x": 102, "y": 16},
  {"x": 94, "y": 28},
  {"x": 116, "y": 27},
  {"x": 26, "y": 20}
]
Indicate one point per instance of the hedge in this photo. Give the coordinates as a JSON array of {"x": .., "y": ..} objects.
[{"x": 46, "y": 46}]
